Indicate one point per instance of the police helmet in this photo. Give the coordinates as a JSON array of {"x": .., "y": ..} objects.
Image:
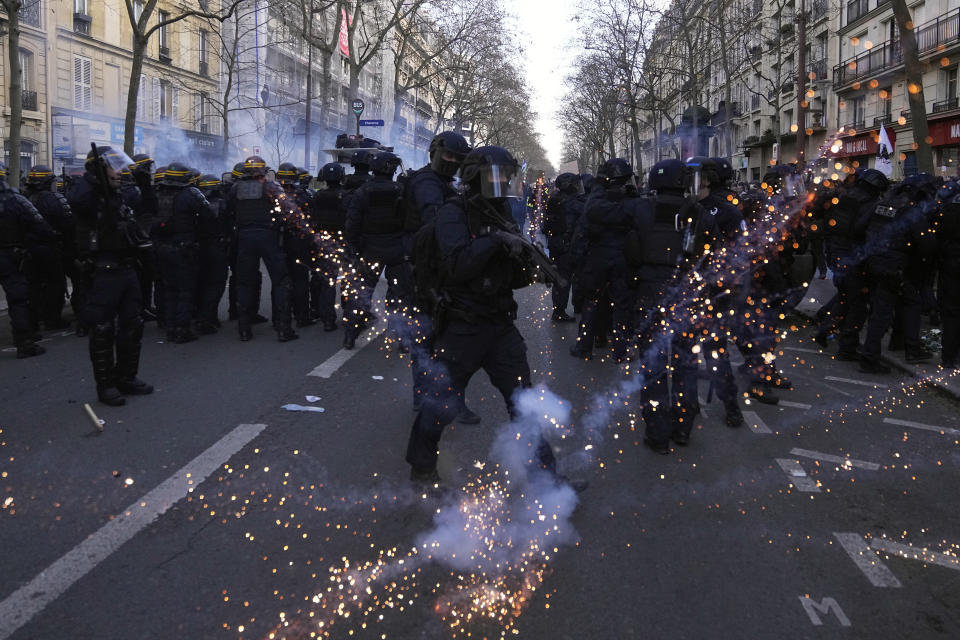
[
  {"x": 669, "y": 175},
  {"x": 923, "y": 183},
  {"x": 110, "y": 157},
  {"x": 360, "y": 158},
  {"x": 784, "y": 180},
  {"x": 159, "y": 173},
  {"x": 304, "y": 174},
  {"x": 287, "y": 173},
  {"x": 3, "y": 172},
  {"x": 569, "y": 183},
  {"x": 703, "y": 173},
  {"x": 254, "y": 166},
  {"x": 875, "y": 179},
  {"x": 237, "y": 172},
  {"x": 492, "y": 172},
  {"x": 615, "y": 171},
  {"x": 142, "y": 164},
  {"x": 447, "y": 151},
  {"x": 384, "y": 164},
  {"x": 40, "y": 176},
  {"x": 208, "y": 182},
  {"x": 724, "y": 170},
  {"x": 331, "y": 172},
  {"x": 176, "y": 175},
  {"x": 948, "y": 191}
]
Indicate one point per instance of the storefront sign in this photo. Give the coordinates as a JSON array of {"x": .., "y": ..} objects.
[
  {"x": 945, "y": 132},
  {"x": 862, "y": 144}
]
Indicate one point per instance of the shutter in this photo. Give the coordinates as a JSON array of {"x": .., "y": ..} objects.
[
  {"x": 156, "y": 100},
  {"x": 174, "y": 105},
  {"x": 197, "y": 110},
  {"x": 77, "y": 83},
  {"x": 87, "y": 84},
  {"x": 142, "y": 98}
]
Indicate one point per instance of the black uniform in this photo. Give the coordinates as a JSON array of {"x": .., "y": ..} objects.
[
  {"x": 375, "y": 229},
  {"x": 328, "y": 215},
  {"x": 19, "y": 219},
  {"x": 251, "y": 203},
  {"x": 560, "y": 221},
  {"x": 297, "y": 245},
  {"x": 948, "y": 236},
  {"x": 216, "y": 237},
  {"x": 114, "y": 302},
  {"x": 176, "y": 234},
  {"x": 50, "y": 255},
  {"x": 475, "y": 329},
  {"x": 148, "y": 270}
]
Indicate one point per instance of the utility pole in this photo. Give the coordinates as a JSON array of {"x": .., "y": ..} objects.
[
  {"x": 306, "y": 126},
  {"x": 802, "y": 102}
]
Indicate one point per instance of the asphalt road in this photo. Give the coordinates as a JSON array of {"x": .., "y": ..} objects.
[{"x": 208, "y": 510}]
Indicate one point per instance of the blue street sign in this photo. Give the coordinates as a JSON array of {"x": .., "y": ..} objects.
[{"x": 371, "y": 123}]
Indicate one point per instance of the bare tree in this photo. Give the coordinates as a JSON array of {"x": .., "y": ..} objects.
[
  {"x": 15, "y": 94},
  {"x": 913, "y": 70},
  {"x": 368, "y": 25}
]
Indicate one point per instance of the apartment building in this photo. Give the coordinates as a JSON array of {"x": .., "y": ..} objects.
[{"x": 854, "y": 80}]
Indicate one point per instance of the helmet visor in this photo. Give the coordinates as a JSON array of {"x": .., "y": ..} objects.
[
  {"x": 500, "y": 181},
  {"x": 447, "y": 162},
  {"x": 116, "y": 159}
]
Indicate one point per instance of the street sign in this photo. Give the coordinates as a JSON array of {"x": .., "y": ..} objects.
[
  {"x": 371, "y": 123},
  {"x": 358, "y": 106}
]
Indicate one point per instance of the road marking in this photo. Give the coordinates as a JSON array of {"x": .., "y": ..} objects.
[
  {"x": 825, "y": 607},
  {"x": 798, "y": 477},
  {"x": 755, "y": 422},
  {"x": 916, "y": 553},
  {"x": 925, "y": 427},
  {"x": 866, "y": 560},
  {"x": 826, "y": 457},
  {"x": 794, "y": 405},
  {"x": 862, "y": 383},
  {"x": 29, "y": 600},
  {"x": 802, "y": 350},
  {"x": 340, "y": 358}
]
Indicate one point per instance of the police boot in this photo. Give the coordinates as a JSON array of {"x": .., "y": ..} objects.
[
  {"x": 104, "y": 372},
  {"x": 246, "y": 333},
  {"x": 763, "y": 392},
  {"x": 28, "y": 348},
  {"x": 329, "y": 325},
  {"x": 129, "y": 343},
  {"x": 871, "y": 365},
  {"x": 349, "y": 338},
  {"x": 734, "y": 416}
]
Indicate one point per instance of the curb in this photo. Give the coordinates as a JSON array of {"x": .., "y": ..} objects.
[{"x": 948, "y": 386}]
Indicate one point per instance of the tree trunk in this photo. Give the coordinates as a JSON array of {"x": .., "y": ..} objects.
[
  {"x": 16, "y": 93},
  {"x": 802, "y": 86},
  {"x": 136, "y": 70},
  {"x": 324, "y": 98},
  {"x": 913, "y": 71},
  {"x": 307, "y": 107}
]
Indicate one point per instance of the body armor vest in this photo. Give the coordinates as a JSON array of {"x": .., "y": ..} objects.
[
  {"x": 328, "y": 212},
  {"x": 253, "y": 205},
  {"x": 383, "y": 214}
]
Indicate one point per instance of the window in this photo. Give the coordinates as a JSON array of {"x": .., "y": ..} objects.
[
  {"x": 80, "y": 6},
  {"x": 164, "y": 35},
  {"x": 82, "y": 83},
  {"x": 142, "y": 99},
  {"x": 30, "y": 12},
  {"x": 166, "y": 101},
  {"x": 950, "y": 83},
  {"x": 857, "y": 111},
  {"x": 202, "y": 52},
  {"x": 26, "y": 70},
  {"x": 885, "y": 96}
]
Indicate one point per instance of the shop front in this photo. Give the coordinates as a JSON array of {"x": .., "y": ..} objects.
[
  {"x": 945, "y": 141},
  {"x": 860, "y": 150}
]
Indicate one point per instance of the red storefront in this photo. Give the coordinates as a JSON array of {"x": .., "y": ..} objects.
[
  {"x": 945, "y": 140},
  {"x": 861, "y": 147}
]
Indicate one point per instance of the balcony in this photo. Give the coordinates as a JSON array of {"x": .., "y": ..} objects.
[
  {"x": 755, "y": 53},
  {"x": 28, "y": 100},
  {"x": 905, "y": 114},
  {"x": 30, "y": 13},
  {"x": 751, "y": 141},
  {"x": 884, "y": 119},
  {"x": 818, "y": 9},
  {"x": 819, "y": 70},
  {"x": 204, "y": 69},
  {"x": 787, "y": 87},
  {"x": 933, "y": 37},
  {"x": 859, "y": 125},
  {"x": 945, "y": 105},
  {"x": 165, "y": 54},
  {"x": 81, "y": 23},
  {"x": 815, "y": 120}
]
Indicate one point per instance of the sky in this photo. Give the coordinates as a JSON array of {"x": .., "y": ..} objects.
[{"x": 550, "y": 37}]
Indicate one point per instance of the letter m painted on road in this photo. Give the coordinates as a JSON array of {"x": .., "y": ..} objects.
[{"x": 825, "y": 607}]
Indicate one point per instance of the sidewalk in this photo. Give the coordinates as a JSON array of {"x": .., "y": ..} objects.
[{"x": 820, "y": 291}]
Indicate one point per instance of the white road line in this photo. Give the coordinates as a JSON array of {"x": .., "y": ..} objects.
[
  {"x": 925, "y": 427},
  {"x": 866, "y": 560},
  {"x": 802, "y": 350},
  {"x": 862, "y": 383},
  {"x": 755, "y": 422},
  {"x": 798, "y": 477},
  {"x": 340, "y": 358},
  {"x": 29, "y": 600},
  {"x": 916, "y": 553},
  {"x": 826, "y": 457},
  {"x": 794, "y": 405}
]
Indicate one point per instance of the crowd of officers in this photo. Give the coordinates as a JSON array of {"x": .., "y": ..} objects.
[{"x": 665, "y": 277}]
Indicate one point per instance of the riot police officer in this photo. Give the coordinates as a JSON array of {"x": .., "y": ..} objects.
[
  {"x": 564, "y": 208},
  {"x": 948, "y": 237},
  {"x": 18, "y": 219},
  {"x": 109, "y": 239},
  {"x": 142, "y": 171},
  {"x": 297, "y": 241},
  {"x": 479, "y": 249},
  {"x": 252, "y": 202},
  {"x": 216, "y": 235},
  {"x": 305, "y": 180},
  {"x": 611, "y": 257},
  {"x": 673, "y": 232},
  {"x": 176, "y": 233},
  {"x": 374, "y": 229},
  {"x": 360, "y": 161},
  {"x": 328, "y": 215},
  {"x": 50, "y": 257},
  {"x": 235, "y": 174}
]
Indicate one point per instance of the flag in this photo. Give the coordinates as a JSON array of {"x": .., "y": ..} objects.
[{"x": 884, "y": 149}]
